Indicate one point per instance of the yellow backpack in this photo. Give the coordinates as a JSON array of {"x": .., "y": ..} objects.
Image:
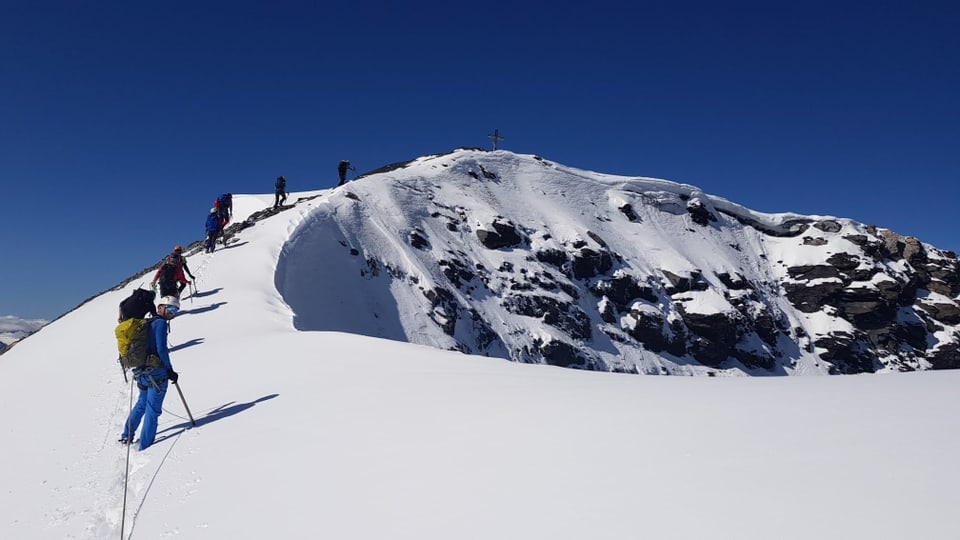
[{"x": 133, "y": 336}]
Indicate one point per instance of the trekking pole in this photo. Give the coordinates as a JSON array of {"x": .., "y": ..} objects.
[
  {"x": 122, "y": 370},
  {"x": 126, "y": 470},
  {"x": 192, "y": 422}
]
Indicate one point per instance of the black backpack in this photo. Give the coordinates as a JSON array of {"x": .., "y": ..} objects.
[
  {"x": 138, "y": 304},
  {"x": 168, "y": 271}
]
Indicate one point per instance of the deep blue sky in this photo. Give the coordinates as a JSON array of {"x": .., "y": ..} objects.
[{"x": 119, "y": 125}]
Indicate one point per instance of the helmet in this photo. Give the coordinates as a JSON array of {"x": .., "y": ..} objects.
[
  {"x": 170, "y": 301},
  {"x": 213, "y": 210},
  {"x": 177, "y": 248}
]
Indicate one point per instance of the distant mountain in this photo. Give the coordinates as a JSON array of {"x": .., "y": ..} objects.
[
  {"x": 13, "y": 329},
  {"x": 518, "y": 257}
]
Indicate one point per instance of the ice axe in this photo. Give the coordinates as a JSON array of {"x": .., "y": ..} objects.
[{"x": 177, "y": 386}]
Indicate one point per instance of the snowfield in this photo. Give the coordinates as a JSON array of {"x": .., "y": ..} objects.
[{"x": 317, "y": 420}]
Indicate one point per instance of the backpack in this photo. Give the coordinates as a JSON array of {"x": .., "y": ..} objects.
[
  {"x": 133, "y": 337},
  {"x": 168, "y": 271},
  {"x": 137, "y": 305},
  {"x": 281, "y": 183}
]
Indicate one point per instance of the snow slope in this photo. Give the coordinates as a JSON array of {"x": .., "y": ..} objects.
[{"x": 332, "y": 434}]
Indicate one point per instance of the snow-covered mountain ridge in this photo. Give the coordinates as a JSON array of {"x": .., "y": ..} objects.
[{"x": 515, "y": 256}]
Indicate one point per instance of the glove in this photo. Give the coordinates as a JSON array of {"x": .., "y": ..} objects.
[{"x": 173, "y": 376}]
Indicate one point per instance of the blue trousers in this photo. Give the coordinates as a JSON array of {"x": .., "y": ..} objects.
[{"x": 149, "y": 406}]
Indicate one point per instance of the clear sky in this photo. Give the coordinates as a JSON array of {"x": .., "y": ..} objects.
[{"x": 142, "y": 113}]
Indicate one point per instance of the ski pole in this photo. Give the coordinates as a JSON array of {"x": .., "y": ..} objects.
[{"x": 192, "y": 422}]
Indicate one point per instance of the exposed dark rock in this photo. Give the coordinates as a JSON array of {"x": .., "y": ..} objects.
[
  {"x": 682, "y": 284},
  {"x": 890, "y": 291},
  {"x": 716, "y": 334},
  {"x": 766, "y": 327},
  {"x": 809, "y": 272},
  {"x": 846, "y": 353},
  {"x": 811, "y": 241},
  {"x": 608, "y": 312},
  {"x": 627, "y": 210},
  {"x": 947, "y": 313},
  {"x": 940, "y": 287},
  {"x": 699, "y": 212},
  {"x": 486, "y": 337},
  {"x": 845, "y": 262},
  {"x": 735, "y": 283},
  {"x": 488, "y": 174},
  {"x": 445, "y": 309},
  {"x": 755, "y": 359},
  {"x": 649, "y": 330},
  {"x": 560, "y": 353},
  {"x": 596, "y": 238},
  {"x": 557, "y": 313},
  {"x": 788, "y": 229},
  {"x": 946, "y": 356},
  {"x": 828, "y": 226},
  {"x": 417, "y": 240},
  {"x": 810, "y": 298},
  {"x": 914, "y": 335},
  {"x": 456, "y": 271},
  {"x": 554, "y": 257},
  {"x": 588, "y": 263},
  {"x": 866, "y": 308},
  {"x": 622, "y": 290},
  {"x": 504, "y": 234},
  {"x": 543, "y": 282},
  {"x": 898, "y": 247}
]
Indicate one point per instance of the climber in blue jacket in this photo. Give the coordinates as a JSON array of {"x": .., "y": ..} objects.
[
  {"x": 213, "y": 230},
  {"x": 152, "y": 379}
]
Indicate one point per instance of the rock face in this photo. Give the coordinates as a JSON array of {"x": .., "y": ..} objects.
[{"x": 648, "y": 276}]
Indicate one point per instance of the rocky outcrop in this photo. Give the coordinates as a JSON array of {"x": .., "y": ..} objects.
[
  {"x": 883, "y": 303},
  {"x": 503, "y": 234}
]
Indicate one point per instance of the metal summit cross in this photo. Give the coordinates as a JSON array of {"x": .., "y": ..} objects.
[{"x": 496, "y": 138}]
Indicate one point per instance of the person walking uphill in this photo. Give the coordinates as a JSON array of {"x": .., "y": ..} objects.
[
  {"x": 280, "y": 191},
  {"x": 342, "y": 171},
  {"x": 170, "y": 274},
  {"x": 224, "y": 206},
  {"x": 152, "y": 379},
  {"x": 213, "y": 230}
]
